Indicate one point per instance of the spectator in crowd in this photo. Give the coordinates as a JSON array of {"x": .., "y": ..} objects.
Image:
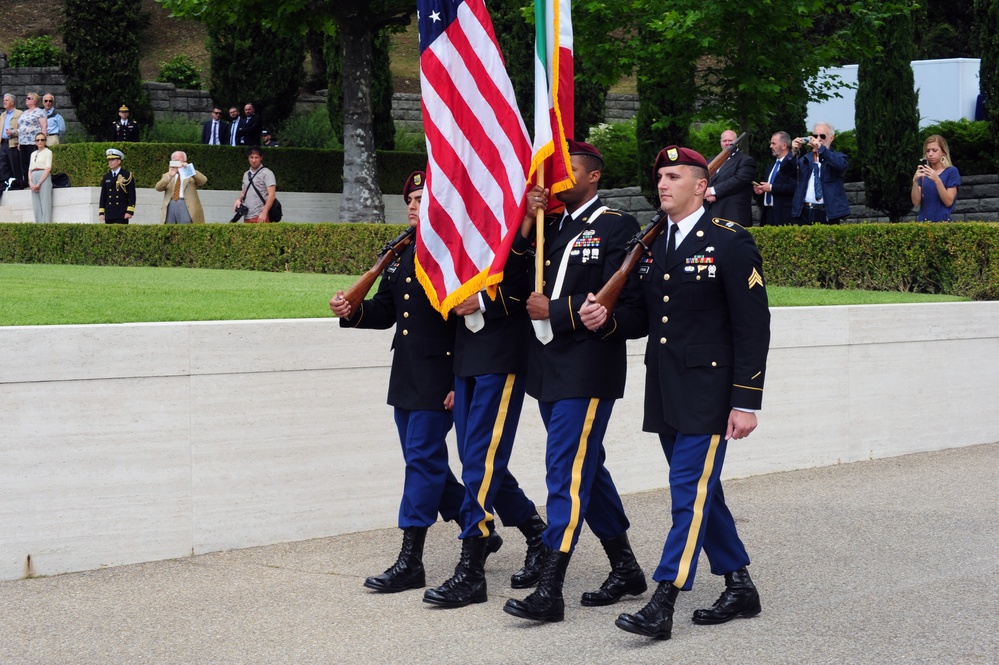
[
  {"x": 124, "y": 129},
  {"x": 181, "y": 204},
  {"x": 268, "y": 140},
  {"x": 821, "y": 194},
  {"x": 234, "y": 122},
  {"x": 32, "y": 122},
  {"x": 730, "y": 191},
  {"x": 40, "y": 180},
  {"x": 215, "y": 130},
  {"x": 259, "y": 189},
  {"x": 117, "y": 204},
  {"x": 420, "y": 385},
  {"x": 935, "y": 182},
  {"x": 10, "y": 157},
  {"x": 776, "y": 193},
  {"x": 250, "y": 128},
  {"x": 56, "y": 123}
]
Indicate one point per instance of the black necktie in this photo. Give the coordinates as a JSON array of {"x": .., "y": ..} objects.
[{"x": 673, "y": 228}]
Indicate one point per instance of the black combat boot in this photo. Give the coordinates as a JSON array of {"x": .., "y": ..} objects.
[
  {"x": 739, "y": 599},
  {"x": 493, "y": 543},
  {"x": 468, "y": 584},
  {"x": 407, "y": 572},
  {"x": 655, "y": 619},
  {"x": 546, "y": 603},
  {"x": 528, "y": 576},
  {"x": 626, "y": 576}
]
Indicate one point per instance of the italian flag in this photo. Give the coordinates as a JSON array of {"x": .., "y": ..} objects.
[{"x": 553, "y": 94}]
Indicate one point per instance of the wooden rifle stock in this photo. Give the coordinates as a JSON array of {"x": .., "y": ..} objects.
[
  {"x": 641, "y": 243},
  {"x": 355, "y": 294}
]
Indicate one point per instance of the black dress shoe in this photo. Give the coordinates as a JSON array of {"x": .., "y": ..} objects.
[
  {"x": 407, "y": 572},
  {"x": 626, "y": 576},
  {"x": 546, "y": 603},
  {"x": 655, "y": 620},
  {"x": 468, "y": 584},
  {"x": 739, "y": 599}
]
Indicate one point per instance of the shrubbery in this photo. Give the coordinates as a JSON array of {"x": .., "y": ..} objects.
[
  {"x": 35, "y": 52},
  {"x": 618, "y": 144},
  {"x": 182, "y": 72}
]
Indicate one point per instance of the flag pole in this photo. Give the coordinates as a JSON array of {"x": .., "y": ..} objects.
[{"x": 539, "y": 237}]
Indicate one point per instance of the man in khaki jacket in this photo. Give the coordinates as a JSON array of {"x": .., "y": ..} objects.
[
  {"x": 10, "y": 159},
  {"x": 179, "y": 185}
]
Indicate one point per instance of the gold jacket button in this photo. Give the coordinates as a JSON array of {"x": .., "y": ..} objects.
[
  {"x": 665, "y": 319},
  {"x": 666, "y": 277},
  {"x": 409, "y": 279},
  {"x": 714, "y": 364},
  {"x": 665, "y": 298},
  {"x": 662, "y": 340},
  {"x": 405, "y": 332},
  {"x": 405, "y": 315},
  {"x": 548, "y": 263},
  {"x": 406, "y": 297}
]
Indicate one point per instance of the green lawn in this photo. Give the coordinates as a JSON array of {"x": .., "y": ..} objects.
[{"x": 65, "y": 294}]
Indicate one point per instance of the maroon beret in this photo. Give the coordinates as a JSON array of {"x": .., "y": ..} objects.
[
  {"x": 413, "y": 183},
  {"x": 675, "y": 156},
  {"x": 583, "y": 148}
]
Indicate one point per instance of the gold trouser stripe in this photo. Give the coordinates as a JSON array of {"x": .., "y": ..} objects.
[
  {"x": 487, "y": 476},
  {"x": 695, "y": 523},
  {"x": 577, "y": 476}
]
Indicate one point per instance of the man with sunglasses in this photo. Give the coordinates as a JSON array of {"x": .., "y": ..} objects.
[
  {"x": 56, "y": 123},
  {"x": 821, "y": 194},
  {"x": 215, "y": 130}
]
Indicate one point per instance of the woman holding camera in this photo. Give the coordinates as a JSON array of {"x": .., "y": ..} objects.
[{"x": 935, "y": 182}]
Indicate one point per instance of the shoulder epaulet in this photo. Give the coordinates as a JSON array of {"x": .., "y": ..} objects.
[
  {"x": 613, "y": 211},
  {"x": 726, "y": 224}
]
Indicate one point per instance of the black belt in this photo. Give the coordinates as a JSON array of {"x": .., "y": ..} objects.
[{"x": 816, "y": 206}]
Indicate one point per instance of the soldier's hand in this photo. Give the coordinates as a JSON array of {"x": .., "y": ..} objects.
[
  {"x": 740, "y": 424},
  {"x": 592, "y": 313},
  {"x": 449, "y": 401},
  {"x": 469, "y": 305},
  {"x": 537, "y": 200},
  {"x": 538, "y": 306},
  {"x": 340, "y": 305}
]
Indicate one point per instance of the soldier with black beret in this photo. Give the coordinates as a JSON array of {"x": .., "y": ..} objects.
[
  {"x": 704, "y": 308},
  {"x": 117, "y": 204}
]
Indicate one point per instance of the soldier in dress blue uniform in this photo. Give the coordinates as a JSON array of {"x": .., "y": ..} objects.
[
  {"x": 124, "y": 129},
  {"x": 490, "y": 379},
  {"x": 705, "y": 310},
  {"x": 117, "y": 204},
  {"x": 576, "y": 377},
  {"x": 420, "y": 384}
]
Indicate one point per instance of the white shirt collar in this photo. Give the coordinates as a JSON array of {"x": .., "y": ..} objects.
[
  {"x": 586, "y": 206},
  {"x": 686, "y": 225}
]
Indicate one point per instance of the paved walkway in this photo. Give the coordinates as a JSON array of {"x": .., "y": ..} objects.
[{"x": 888, "y": 561}]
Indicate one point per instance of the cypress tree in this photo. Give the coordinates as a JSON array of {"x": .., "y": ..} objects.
[
  {"x": 888, "y": 119},
  {"x": 102, "y": 63},
  {"x": 382, "y": 88},
  {"x": 253, "y": 63},
  {"x": 987, "y": 15}
]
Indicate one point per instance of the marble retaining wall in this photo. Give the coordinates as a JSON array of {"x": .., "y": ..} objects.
[{"x": 139, "y": 442}]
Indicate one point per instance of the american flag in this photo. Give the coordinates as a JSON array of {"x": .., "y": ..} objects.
[{"x": 478, "y": 152}]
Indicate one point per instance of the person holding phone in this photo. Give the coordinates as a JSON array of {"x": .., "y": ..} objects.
[
  {"x": 935, "y": 182},
  {"x": 181, "y": 204}
]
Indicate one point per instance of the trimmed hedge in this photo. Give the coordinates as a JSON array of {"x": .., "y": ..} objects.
[
  {"x": 959, "y": 259},
  {"x": 296, "y": 169},
  {"x": 322, "y": 248}
]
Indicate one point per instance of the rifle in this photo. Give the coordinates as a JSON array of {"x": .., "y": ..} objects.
[
  {"x": 393, "y": 249},
  {"x": 642, "y": 242}
]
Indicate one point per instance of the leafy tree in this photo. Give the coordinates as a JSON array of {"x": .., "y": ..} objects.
[
  {"x": 888, "y": 118},
  {"x": 251, "y": 62},
  {"x": 102, "y": 62},
  {"x": 35, "y": 52},
  {"x": 382, "y": 89}
]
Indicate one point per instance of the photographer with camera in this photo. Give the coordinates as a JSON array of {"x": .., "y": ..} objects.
[
  {"x": 259, "y": 191},
  {"x": 821, "y": 194},
  {"x": 935, "y": 182}
]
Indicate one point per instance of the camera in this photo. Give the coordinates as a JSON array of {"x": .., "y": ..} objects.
[
  {"x": 923, "y": 162},
  {"x": 805, "y": 140},
  {"x": 240, "y": 211}
]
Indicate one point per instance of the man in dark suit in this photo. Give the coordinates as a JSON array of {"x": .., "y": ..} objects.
[
  {"x": 117, "y": 204},
  {"x": 215, "y": 130},
  {"x": 124, "y": 129},
  {"x": 730, "y": 190},
  {"x": 419, "y": 385},
  {"x": 490, "y": 376},
  {"x": 250, "y": 127},
  {"x": 776, "y": 193},
  {"x": 234, "y": 122},
  {"x": 704, "y": 306},
  {"x": 821, "y": 194},
  {"x": 576, "y": 376}
]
